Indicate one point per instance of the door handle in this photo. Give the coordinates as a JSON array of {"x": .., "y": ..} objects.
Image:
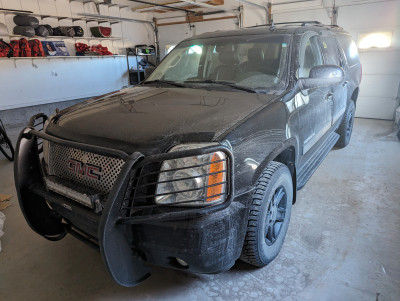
[
  {"x": 345, "y": 83},
  {"x": 329, "y": 97}
]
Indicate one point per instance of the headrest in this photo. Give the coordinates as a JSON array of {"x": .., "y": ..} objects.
[
  {"x": 255, "y": 55},
  {"x": 228, "y": 57},
  {"x": 273, "y": 51}
]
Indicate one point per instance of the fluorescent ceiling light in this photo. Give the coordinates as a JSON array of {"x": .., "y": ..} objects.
[{"x": 375, "y": 40}]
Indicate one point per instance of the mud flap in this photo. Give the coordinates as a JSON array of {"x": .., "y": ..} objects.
[
  {"x": 125, "y": 267},
  {"x": 34, "y": 207}
]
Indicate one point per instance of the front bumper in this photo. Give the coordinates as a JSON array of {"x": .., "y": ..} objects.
[{"x": 207, "y": 238}]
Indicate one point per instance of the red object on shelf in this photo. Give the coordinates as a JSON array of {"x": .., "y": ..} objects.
[
  {"x": 101, "y": 50},
  {"x": 24, "y": 49},
  {"x": 15, "y": 47},
  {"x": 36, "y": 48},
  {"x": 81, "y": 47},
  {"x": 101, "y": 31}
]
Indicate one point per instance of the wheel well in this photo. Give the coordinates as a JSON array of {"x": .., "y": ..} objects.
[
  {"x": 288, "y": 157},
  {"x": 354, "y": 96}
]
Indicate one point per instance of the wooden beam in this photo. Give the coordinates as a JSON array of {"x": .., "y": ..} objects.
[
  {"x": 204, "y": 20},
  {"x": 192, "y": 19}
]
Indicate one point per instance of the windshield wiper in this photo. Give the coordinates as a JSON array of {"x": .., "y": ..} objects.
[
  {"x": 168, "y": 82},
  {"x": 219, "y": 82}
]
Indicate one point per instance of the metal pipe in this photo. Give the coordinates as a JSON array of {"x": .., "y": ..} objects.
[
  {"x": 162, "y": 5},
  {"x": 252, "y": 4},
  {"x": 156, "y": 41},
  {"x": 115, "y": 18},
  {"x": 16, "y": 11},
  {"x": 199, "y": 3},
  {"x": 291, "y": 2}
]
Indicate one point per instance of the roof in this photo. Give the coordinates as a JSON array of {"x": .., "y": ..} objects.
[{"x": 289, "y": 28}]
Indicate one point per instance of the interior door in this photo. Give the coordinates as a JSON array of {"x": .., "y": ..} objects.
[{"x": 316, "y": 113}]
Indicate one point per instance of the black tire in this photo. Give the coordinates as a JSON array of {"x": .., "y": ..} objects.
[
  {"x": 346, "y": 126},
  {"x": 6, "y": 146},
  {"x": 261, "y": 245}
]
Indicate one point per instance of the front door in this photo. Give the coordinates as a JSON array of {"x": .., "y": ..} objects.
[
  {"x": 339, "y": 91},
  {"x": 317, "y": 104}
]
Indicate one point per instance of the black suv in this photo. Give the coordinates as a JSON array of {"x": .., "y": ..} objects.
[{"x": 199, "y": 165}]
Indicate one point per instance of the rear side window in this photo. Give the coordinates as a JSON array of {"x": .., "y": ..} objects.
[
  {"x": 331, "y": 51},
  {"x": 349, "y": 48}
]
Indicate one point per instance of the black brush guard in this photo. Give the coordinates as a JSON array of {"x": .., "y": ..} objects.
[{"x": 126, "y": 266}]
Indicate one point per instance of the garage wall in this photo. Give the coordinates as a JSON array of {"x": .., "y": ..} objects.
[
  {"x": 31, "y": 81},
  {"x": 381, "y": 76},
  {"x": 378, "y": 96},
  {"x": 175, "y": 33}
]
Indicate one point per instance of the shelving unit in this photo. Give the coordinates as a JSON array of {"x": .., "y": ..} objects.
[
  {"x": 62, "y": 57},
  {"x": 139, "y": 73},
  {"x": 65, "y": 37},
  {"x": 85, "y": 17},
  {"x": 73, "y": 18}
]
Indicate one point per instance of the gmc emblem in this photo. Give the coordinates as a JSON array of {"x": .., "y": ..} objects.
[{"x": 84, "y": 169}]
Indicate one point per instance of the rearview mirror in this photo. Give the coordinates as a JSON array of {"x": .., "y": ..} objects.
[{"x": 321, "y": 76}]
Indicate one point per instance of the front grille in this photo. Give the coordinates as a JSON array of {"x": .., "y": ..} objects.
[{"x": 60, "y": 166}]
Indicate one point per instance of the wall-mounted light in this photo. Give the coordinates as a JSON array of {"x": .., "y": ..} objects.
[
  {"x": 169, "y": 47},
  {"x": 375, "y": 40}
]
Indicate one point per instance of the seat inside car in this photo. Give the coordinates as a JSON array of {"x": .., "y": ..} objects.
[
  {"x": 255, "y": 60},
  {"x": 229, "y": 60}
]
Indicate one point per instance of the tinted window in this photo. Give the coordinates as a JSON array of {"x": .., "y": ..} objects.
[
  {"x": 258, "y": 62},
  {"x": 349, "y": 48},
  {"x": 310, "y": 56},
  {"x": 331, "y": 51}
]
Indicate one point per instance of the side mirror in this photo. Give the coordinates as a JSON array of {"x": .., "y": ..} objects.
[{"x": 321, "y": 76}]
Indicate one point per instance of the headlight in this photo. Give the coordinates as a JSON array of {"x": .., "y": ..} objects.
[{"x": 193, "y": 181}]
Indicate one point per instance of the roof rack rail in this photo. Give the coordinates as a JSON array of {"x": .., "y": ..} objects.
[
  {"x": 303, "y": 23},
  {"x": 335, "y": 26}
]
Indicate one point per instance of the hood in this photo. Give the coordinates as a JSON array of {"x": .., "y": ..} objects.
[{"x": 151, "y": 120}]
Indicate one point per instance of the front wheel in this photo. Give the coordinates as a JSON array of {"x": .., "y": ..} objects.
[
  {"x": 5, "y": 146},
  {"x": 269, "y": 215},
  {"x": 346, "y": 126}
]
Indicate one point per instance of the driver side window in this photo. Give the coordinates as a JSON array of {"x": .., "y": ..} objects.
[{"x": 309, "y": 56}]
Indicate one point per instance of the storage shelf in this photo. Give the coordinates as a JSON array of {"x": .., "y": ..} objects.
[
  {"x": 64, "y": 37},
  {"x": 73, "y": 18},
  {"x": 62, "y": 57}
]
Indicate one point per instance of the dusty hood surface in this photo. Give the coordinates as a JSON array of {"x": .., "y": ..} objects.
[{"x": 151, "y": 119}]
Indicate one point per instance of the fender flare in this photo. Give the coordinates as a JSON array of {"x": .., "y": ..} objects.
[{"x": 291, "y": 142}]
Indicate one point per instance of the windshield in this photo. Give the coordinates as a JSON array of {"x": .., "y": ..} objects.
[{"x": 252, "y": 62}]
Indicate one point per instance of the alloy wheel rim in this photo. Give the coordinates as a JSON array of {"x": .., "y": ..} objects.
[
  {"x": 350, "y": 124},
  {"x": 276, "y": 214},
  {"x": 4, "y": 145}
]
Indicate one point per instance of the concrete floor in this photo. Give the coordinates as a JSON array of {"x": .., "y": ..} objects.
[{"x": 343, "y": 242}]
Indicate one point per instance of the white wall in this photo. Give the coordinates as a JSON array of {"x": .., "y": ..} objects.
[
  {"x": 175, "y": 33},
  {"x": 26, "y": 82},
  {"x": 381, "y": 68}
]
